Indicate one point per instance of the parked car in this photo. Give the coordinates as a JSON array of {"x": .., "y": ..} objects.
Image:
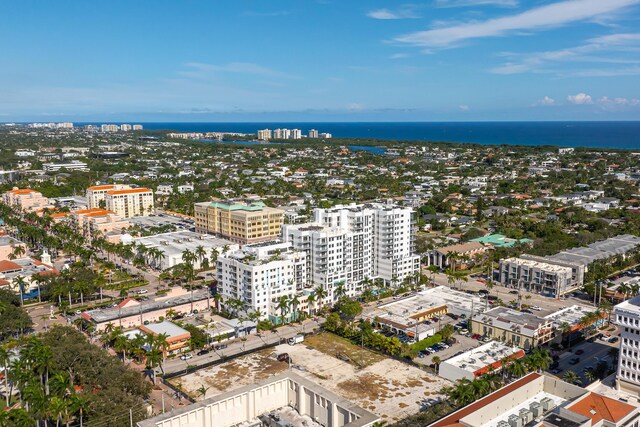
[
  {"x": 614, "y": 339},
  {"x": 536, "y": 308},
  {"x": 186, "y": 356},
  {"x": 574, "y": 361},
  {"x": 203, "y": 352},
  {"x": 284, "y": 357},
  {"x": 556, "y": 371},
  {"x": 142, "y": 291},
  {"x": 464, "y": 331},
  {"x": 220, "y": 347},
  {"x": 513, "y": 292},
  {"x": 579, "y": 352}
]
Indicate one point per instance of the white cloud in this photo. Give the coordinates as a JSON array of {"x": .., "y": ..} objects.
[
  {"x": 546, "y": 102},
  {"x": 607, "y": 103},
  {"x": 580, "y": 99},
  {"x": 596, "y": 50},
  {"x": 239, "y": 68},
  {"x": 355, "y": 106},
  {"x": 464, "y": 108},
  {"x": 539, "y": 18},
  {"x": 404, "y": 12},
  {"x": 466, "y": 3},
  {"x": 399, "y": 56}
]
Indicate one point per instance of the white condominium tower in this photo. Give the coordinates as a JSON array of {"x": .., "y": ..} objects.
[
  {"x": 627, "y": 315},
  {"x": 348, "y": 244},
  {"x": 260, "y": 275}
]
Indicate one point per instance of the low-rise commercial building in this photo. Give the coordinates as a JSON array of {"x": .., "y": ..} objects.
[
  {"x": 132, "y": 314},
  {"x": 8, "y": 246},
  {"x": 513, "y": 327},
  {"x": 22, "y": 275},
  {"x": 538, "y": 400},
  {"x": 72, "y": 166},
  {"x": 250, "y": 406},
  {"x": 442, "y": 257},
  {"x": 177, "y": 338},
  {"x": 537, "y": 276},
  {"x": 412, "y": 316},
  {"x": 166, "y": 250},
  {"x": 239, "y": 222},
  {"x": 478, "y": 361}
]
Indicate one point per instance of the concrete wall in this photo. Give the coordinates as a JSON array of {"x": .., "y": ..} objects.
[{"x": 247, "y": 403}]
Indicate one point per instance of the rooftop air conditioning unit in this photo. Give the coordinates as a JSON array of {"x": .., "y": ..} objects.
[
  {"x": 536, "y": 409},
  {"x": 515, "y": 421},
  {"x": 502, "y": 423},
  {"x": 526, "y": 415},
  {"x": 547, "y": 404}
]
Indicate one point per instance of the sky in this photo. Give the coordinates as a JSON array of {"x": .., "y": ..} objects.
[{"x": 319, "y": 60}]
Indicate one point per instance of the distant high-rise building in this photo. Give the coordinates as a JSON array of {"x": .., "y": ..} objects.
[
  {"x": 137, "y": 127},
  {"x": 125, "y": 127},
  {"x": 264, "y": 134},
  {"x": 109, "y": 128},
  {"x": 296, "y": 134},
  {"x": 313, "y": 133},
  {"x": 325, "y": 135}
]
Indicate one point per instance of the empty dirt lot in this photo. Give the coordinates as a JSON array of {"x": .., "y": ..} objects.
[{"x": 384, "y": 386}]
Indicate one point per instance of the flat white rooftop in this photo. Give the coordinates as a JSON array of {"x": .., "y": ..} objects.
[{"x": 480, "y": 357}]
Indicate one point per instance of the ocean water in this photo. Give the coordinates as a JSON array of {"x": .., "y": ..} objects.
[{"x": 625, "y": 135}]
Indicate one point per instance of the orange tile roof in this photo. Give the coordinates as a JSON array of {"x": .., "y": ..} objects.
[
  {"x": 60, "y": 214},
  {"x": 9, "y": 266},
  {"x": 94, "y": 212},
  {"x": 132, "y": 191},
  {"x": 22, "y": 191},
  {"x": 100, "y": 187},
  {"x": 454, "y": 419},
  {"x": 598, "y": 407}
]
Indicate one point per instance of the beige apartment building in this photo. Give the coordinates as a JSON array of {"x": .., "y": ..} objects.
[
  {"x": 130, "y": 203},
  {"x": 239, "y": 222},
  {"x": 96, "y": 193},
  {"x": 26, "y": 199}
]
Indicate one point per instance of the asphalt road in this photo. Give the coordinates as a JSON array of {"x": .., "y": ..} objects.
[{"x": 238, "y": 346}]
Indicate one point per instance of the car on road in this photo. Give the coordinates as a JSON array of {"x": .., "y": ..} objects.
[
  {"x": 186, "y": 356},
  {"x": 579, "y": 352},
  {"x": 513, "y": 292},
  {"x": 556, "y": 371},
  {"x": 142, "y": 291},
  {"x": 220, "y": 347},
  {"x": 536, "y": 308},
  {"x": 574, "y": 361},
  {"x": 203, "y": 352}
]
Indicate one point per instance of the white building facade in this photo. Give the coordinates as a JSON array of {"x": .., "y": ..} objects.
[
  {"x": 627, "y": 315},
  {"x": 260, "y": 275}
]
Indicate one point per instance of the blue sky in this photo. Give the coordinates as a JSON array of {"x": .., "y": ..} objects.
[{"x": 320, "y": 60}]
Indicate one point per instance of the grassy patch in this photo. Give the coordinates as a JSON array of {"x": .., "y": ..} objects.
[
  {"x": 427, "y": 342},
  {"x": 333, "y": 345}
]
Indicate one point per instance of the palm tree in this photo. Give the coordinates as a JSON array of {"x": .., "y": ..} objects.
[
  {"x": 202, "y": 391},
  {"x": 590, "y": 375},
  {"x": 294, "y": 302},
  {"x": 4, "y": 360},
  {"x": 436, "y": 361},
  {"x": 572, "y": 378},
  {"x": 321, "y": 293},
  {"x": 517, "y": 368},
  {"x": 311, "y": 300},
  {"x": 283, "y": 306},
  {"x": 21, "y": 283}
]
